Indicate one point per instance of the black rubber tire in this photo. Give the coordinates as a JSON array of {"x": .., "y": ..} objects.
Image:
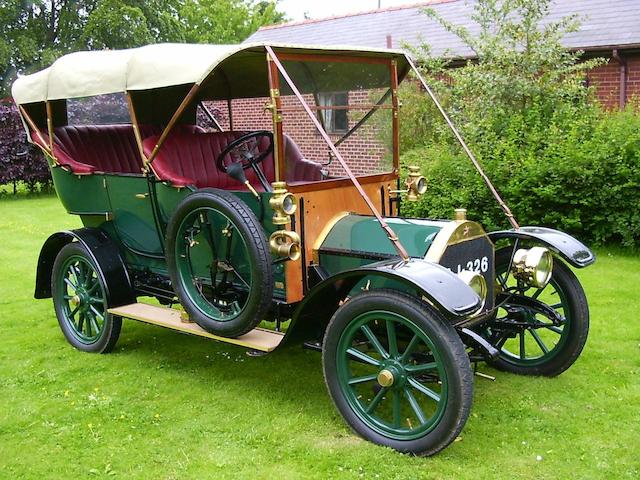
[
  {"x": 261, "y": 294},
  {"x": 112, "y": 324},
  {"x": 579, "y": 327},
  {"x": 445, "y": 339}
]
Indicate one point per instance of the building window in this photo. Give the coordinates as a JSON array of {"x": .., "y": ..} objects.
[{"x": 335, "y": 121}]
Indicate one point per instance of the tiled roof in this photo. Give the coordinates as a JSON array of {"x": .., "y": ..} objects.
[{"x": 605, "y": 23}]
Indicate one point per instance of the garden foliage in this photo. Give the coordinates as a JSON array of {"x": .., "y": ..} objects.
[
  {"x": 20, "y": 162},
  {"x": 554, "y": 154}
]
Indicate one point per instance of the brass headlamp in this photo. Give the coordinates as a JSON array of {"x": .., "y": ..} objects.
[
  {"x": 283, "y": 203},
  {"x": 533, "y": 267},
  {"x": 477, "y": 283},
  {"x": 416, "y": 184},
  {"x": 285, "y": 243}
]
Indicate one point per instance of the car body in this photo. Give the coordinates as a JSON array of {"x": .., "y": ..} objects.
[{"x": 268, "y": 234}]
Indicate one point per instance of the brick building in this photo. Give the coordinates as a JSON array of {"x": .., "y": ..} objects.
[{"x": 610, "y": 30}]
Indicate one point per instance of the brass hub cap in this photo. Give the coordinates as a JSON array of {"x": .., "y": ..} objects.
[
  {"x": 75, "y": 300},
  {"x": 385, "y": 378}
]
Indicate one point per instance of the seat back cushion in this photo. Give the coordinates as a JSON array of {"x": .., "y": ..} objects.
[
  {"x": 104, "y": 148},
  {"x": 187, "y": 159}
]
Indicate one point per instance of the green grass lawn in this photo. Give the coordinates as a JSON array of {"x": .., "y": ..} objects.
[{"x": 166, "y": 405}]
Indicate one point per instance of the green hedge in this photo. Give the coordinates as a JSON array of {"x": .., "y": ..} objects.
[{"x": 577, "y": 173}]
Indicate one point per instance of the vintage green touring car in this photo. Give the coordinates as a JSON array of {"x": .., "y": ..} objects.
[{"x": 252, "y": 194}]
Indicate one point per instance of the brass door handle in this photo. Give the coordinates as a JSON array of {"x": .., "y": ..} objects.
[{"x": 142, "y": 196}]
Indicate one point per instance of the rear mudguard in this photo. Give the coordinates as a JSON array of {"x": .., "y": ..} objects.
[
  {"x": 103, "y": 252},
  {"x": 438, "y": 285},
  {"x": 569, "y": 248}
]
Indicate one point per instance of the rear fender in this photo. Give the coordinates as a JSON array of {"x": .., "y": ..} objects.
[
  {"x": 569, "y": 248},
  {"x": 104, "y": 253},
  {"x": 429, "y": 281}
]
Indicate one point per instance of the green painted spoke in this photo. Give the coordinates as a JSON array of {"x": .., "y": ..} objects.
[
  {"x": 363, "y": 379},
  {"x": 96, "y": 312},
  {"x": 500, "y": 343},
  {"x": 96, "y": 300},
  {"x": 393, "y": 340},
  {"x": 422, "y": 367},
  {"x": 376, "y": 400},
  {"x": 556, "y": 305},
  {"x": 502, "y": 279},
  {"x": 84, "y": 322},
  {"x": 363, "y": 357},
  {"x": 396, "y": 409},
  {"x": 70, "y": 283},
  {"x": 415, "y": 406},
  {"x": 537, "y": 293},
  {"x": 94, "y": 323},
  {"x": 74, "y": 311},
  {"x": 539, "y": 341},
  {"x": 373, "y": 340},
  {"x": 555, "y": 329},
  {"x": 93, "y": 287},
  {"x": 422, "y": 389},
  {"x": 67, "y": 297},
  {"x": 75, "y": 273},
  {"x": 240, "y": 277},
  {"x": 78, "y": 270},
  {"x": 523, "y": 354},
  {"x": 413, "y": 343}
]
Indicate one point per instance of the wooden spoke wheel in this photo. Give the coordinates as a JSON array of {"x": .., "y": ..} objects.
[
  {"x": 219, "y": 262},
  {"x": 80, "y": 301},
  {"x": 532, "y": 339},
  {"x": 397, "y": 372}
]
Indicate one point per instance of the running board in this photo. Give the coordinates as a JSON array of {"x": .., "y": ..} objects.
[{"x": 257, "y": 339}]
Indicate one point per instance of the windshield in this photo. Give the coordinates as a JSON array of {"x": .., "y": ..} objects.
[{"x": 352, "y": 102}]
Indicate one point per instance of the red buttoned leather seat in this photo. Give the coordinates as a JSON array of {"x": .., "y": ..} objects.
[
  {"x": 188, "y": 159},
  {"x": 86, "y": 149}
]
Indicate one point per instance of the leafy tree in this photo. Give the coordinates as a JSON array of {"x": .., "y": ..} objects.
[
  {"x": 35, "y": 33},
  {"x": 225, "y": 21}
]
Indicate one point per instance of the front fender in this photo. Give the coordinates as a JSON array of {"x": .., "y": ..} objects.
[
  {"x": 569, "y": 248},
  {"x": 442, "y": 288},
  {"x": 103, "y": 252}
]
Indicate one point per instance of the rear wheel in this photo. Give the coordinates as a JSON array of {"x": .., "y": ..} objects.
[
  {"x": 530, "y": 339},
  {"x": 80, "y": 300},
  {"x": 397, "y": 372},
  {"x": 219, "y": 262}
]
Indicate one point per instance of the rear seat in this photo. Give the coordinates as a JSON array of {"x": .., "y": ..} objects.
[
  {"x": 86, "y": 149},
  {"x": 187, "y": 159}
]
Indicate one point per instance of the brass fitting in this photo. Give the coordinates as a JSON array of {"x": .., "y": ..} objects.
[
  {"x": 283, "y": 204},
  {"x": 461, "y": 214},
  {"x": 416, "y": 184},
  {"x": 285, "y": 243}
]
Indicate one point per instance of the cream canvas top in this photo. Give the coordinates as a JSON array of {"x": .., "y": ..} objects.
[{"x": 83, "y": 74}]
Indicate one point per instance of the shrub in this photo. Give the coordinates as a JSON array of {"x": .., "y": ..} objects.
[
  {"x": 19, "y": 160},
  {"x": 556, "y": 157},
  {"x": 583, "y": 179}
]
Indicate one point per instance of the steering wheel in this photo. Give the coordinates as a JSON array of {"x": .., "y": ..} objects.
[{"x": 244, "y": 150}]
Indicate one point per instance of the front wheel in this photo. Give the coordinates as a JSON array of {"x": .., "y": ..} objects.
[
  {"x": 538, "y": 331},
  {"x": 397, "y": 372}
]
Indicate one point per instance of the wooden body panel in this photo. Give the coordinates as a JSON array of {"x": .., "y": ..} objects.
[{"x": 321, "y": 209}]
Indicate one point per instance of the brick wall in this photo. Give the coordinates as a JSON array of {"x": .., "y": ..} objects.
[
  {"x": 366, "y": 151},
  {"x": 606, "y": 80}
]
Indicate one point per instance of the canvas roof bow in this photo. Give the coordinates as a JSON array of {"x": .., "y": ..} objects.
[{"x": 88, "y": 73}]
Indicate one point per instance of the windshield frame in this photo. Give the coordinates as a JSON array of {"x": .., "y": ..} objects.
[{"x": 278, "y": 110}]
